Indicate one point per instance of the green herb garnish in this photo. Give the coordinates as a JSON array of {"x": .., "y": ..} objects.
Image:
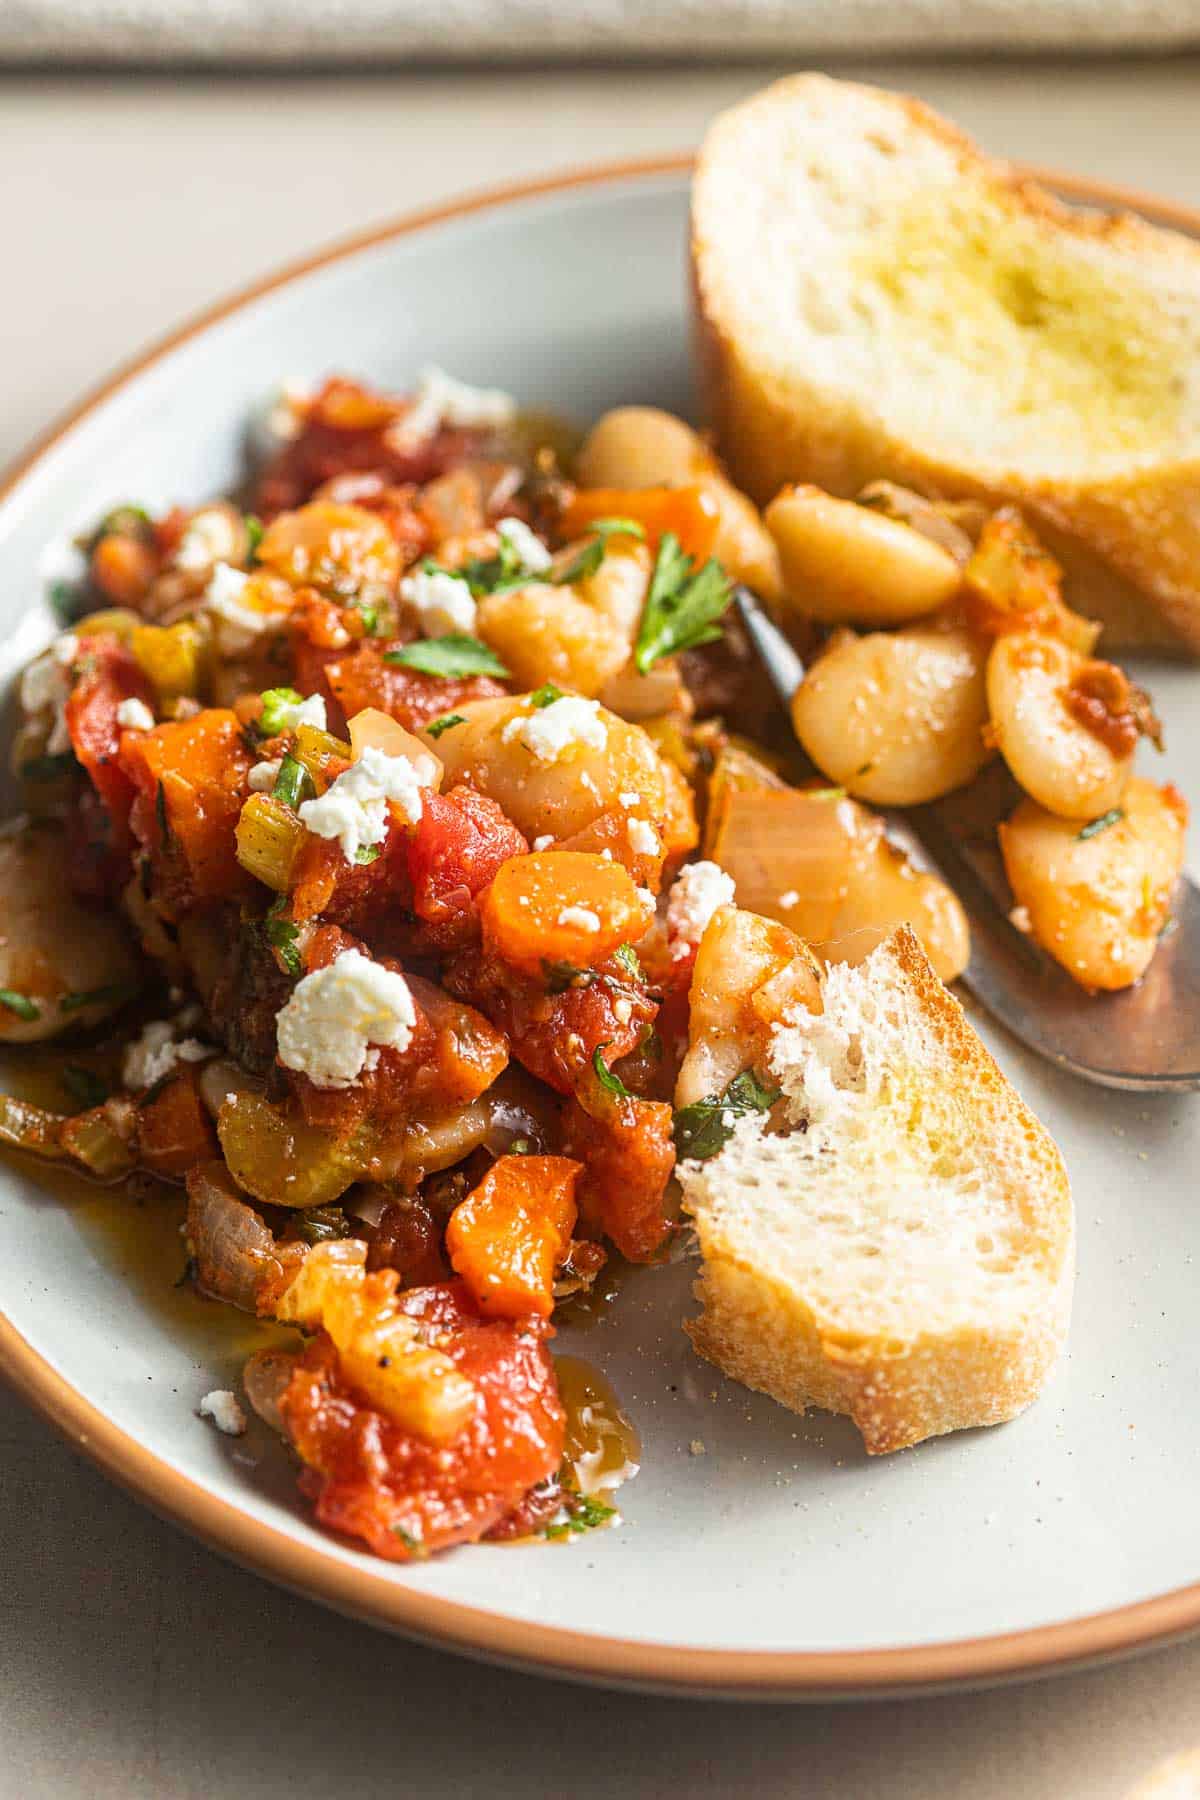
[
  {"x": 84, "y": 1086},
  {"x": 125, "y": 521},
  {"x": 254, "y": 534},
  {"x": 707, "y": 1125},
  {"x": 436, "y": 727},
  {"x": 276, "y": 703},
  {"x": 545, "y": 696},
  {"x": 612, "y": 1083},
  {"x": 115, "y": 994},
  {"x": 49, "y": 768},
  {"x": 367, "y": 853},
  {"x": 369, "y": 615},
  {"x": 683, "y": 605},
  {"x": 66, "y": 600},
  {"x": 630, "y": 961},
  {"x": 584, "y": 1513},
  {"x": 1094, "y": 827},
  {"x": 282, "y": 934},
  {"x": 293, "y": 783},
  {"x": 588, "y": 560},
  {"x": 412, "y": 1544},
  {"x": 20, "y": 1004},
  {"x": 455, "y": 654},
  {"x": 322, "y": 1224}
]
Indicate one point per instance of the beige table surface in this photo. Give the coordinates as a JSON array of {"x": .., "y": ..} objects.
[{"x": 133, "y": 1662}]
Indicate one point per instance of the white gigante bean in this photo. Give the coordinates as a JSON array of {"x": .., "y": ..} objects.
[
  {"x": 896, "y": 717},
  {"x": 1057, "y": 760},
  {"x": 846, "y": 564}
]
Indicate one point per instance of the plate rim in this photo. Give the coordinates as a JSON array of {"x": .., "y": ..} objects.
[{"x": 380, "y": 1599}]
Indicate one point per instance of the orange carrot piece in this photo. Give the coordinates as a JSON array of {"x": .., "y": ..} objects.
[
  {"x": 510, "y": 1234},
  {"x": 562, "y": 906},
  {"x": 174, "y": 1130},
  {"x": 690, "y": 512}
]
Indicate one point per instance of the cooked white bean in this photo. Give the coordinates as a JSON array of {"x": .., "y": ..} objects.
[
  {"x": 849, "y": 565},
  {"x": 557, "y": 798},
  {"x": 1097, "y": 904},
  {"x": 896, "y": 717},
  {"x": 640, "y": 446},
  {"x": 1056, "y": 759},
  {"x": 738, "y": 953}
]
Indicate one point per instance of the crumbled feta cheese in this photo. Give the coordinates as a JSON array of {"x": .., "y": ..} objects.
[
  {"x": 441, "y": 400},
  {"x": 337, "y": 1013},
  {"x": 209, "y": 538},
  {"x": 221, "y": 1406},
  {"x": 46, "y": 688},
  {"x": 355, "y": 808},
  {"x": 442, "y": 602},
  {"x": 152, "y": 1056},
  {"x": 264, "y": 775},
  {"x": 629, "y": 798},
  {"x": 285, "y": 413},
  {"x": 1019, "y": 916},
  {"x": 643, "y": 839},
  {"x": 566, "y": 724},
  {"x": 622, "y": 1010},
  {"x": 700, "y": 889},
  {"x": 544, "y": 842},
  {"x": 292, "y": 714},
  {"x": 238, "y": 626},
  {"x": 582, "y": 917},
  {"x": 790, "y": 899},
  {"x": 525, "y": 545},
  {"x": 135, "y": 715}
]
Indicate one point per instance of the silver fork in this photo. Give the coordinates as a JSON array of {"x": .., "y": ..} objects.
[{"x": 1146, "y": 1037}]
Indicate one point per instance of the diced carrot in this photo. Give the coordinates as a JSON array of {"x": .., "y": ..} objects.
[
  {"x": 174, "y": 1130},
  {"x": 191, "y": 777},
  {"x": 562, "y": 906},
  {"x": 690, "y": 512},
  {"x": 123, "y": 568},
  {"x": 509, "y": 1235}
]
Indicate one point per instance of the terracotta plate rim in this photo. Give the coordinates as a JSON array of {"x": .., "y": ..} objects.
[{"x": 381, "y": 1599}]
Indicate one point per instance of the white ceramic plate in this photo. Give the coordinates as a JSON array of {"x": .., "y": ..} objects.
[{"x": 760, "y": 1553}]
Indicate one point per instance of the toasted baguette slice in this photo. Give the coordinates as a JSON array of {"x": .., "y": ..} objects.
[
  {"x": 906, "y": 1254},
  {"x": 877, "y": 298}
]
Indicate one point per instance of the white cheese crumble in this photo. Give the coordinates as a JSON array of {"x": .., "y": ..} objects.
[
  {"x": 566, "y": 724},
  {"x": 155, "y": 1054},
  {"x": 544, "y": 842},
  {"x": 582, "y": 917},
  {"x": 439, "y": 399},
  {"x": 135, "y": 715},
  {"x": 442, "y": 602},
  {"x": 790, "y": 899},
  {"x": 46, "y": 688},
  {"x": 525, "y": 545},
  {"x": 264, "y": 775},
  {"x": 355, "y": 808},
  {"x": 221, "y": 1406},
  {"x": 292, "y": 714},
  {"x": 208, "y": 538},
  {"x": 701, "y": 887},
  {"x": 643, "y": 839},
  {"x": 238, "y": 626},
  {"x": 629, "y": 798},
  {"x": 622, "y": 1010},
  {"x": 337, "y": 1013}
]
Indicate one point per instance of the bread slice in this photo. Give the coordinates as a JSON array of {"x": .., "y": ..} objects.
[
  {"x": 875, "y": 297},
  {"x": 905, "y": 1253}
]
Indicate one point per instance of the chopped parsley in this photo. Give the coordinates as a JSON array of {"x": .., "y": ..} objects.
[
  {"x": 20, "y": 1004},
  {"x": 1094, "y": 827},
  {"x": 412, "y": 1544},
  {"x": 67, "y": 600},
  {"x": 367, "y": 853},
  {"x": 49, "y": 768},
  {"x": 455, "y": 654},
  {"x": 682, "y": 606},
  {"x": 125, "y": 521},
  {"x": 293, "y": 782},
  {"x": 630, "y": 961},
  {"x": 282, "y": 934},
  {"x": 275, "y": 705},
  {"x": 254, "y": 534},
  {"x": 545, "y": 696},
  {"x": 588, "y": 559},
  {"x": 436, "y": 727},
  {"x": 84, "y": 1086},
  {"x": 612, "y": 1083},
  {"x": 707, "y": 1125},
  {"x": 584, "y": 1512}
]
